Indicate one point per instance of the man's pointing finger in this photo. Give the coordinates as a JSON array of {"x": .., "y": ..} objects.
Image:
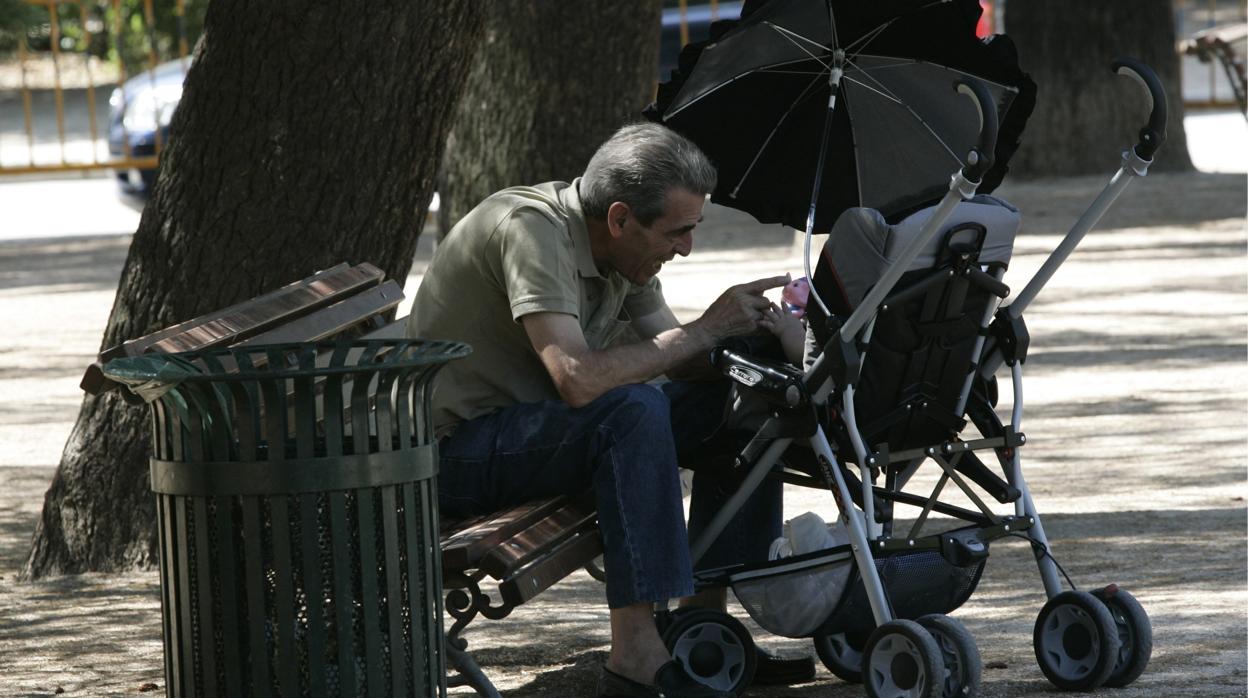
[{"x": 759, "y": 285}]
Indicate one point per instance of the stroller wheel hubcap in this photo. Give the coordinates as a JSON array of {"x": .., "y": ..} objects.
[
  {"x": 706, "y": 659},
  {"x": 1077, "y": 642},
  {"x": 712, "y": 654},
  {"x": 905, "y": 671}
]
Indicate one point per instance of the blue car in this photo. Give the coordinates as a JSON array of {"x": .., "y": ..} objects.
[{"x": 137, "y": 111}]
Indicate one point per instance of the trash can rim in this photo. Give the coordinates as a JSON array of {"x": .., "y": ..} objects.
[{"x": 436, "y": 352}]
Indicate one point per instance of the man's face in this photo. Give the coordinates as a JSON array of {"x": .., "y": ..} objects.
[{"x": 643, "y": 250}]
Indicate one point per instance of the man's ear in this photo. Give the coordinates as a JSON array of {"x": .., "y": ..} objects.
[{"x": 617, "y": 216}]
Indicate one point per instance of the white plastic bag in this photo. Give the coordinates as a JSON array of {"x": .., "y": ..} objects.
[{"x": 806, "y": 534}]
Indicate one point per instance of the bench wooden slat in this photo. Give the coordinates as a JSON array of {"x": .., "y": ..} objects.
[
  {"x": 334, "y": 319},
  {"x": 463, "y": 546},
  {"x": 242, "y": 320},
  {"x": 539, "y": 575},
  {"x": 522, "y": 548},
  {"x": 263, "y": 315}
]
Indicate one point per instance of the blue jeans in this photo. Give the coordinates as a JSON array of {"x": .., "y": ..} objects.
[{"x": 625, "y": 446}]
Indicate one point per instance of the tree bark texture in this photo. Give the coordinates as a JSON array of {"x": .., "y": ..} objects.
[
  {"x": 552, "y": 81},
  {"x": 309, "y": 133},
  {"x": 1086, "y": 115}
]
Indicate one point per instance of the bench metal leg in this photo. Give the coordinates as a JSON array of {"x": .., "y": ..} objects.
[{"x": 467, "y": 671}]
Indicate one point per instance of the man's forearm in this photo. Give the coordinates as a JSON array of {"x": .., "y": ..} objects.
[{"x": 674, "y": 352}]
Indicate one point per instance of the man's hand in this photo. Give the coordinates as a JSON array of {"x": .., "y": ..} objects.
[{"x": 738, "y": 310}]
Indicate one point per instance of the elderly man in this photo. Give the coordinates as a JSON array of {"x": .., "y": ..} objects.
[{"x": 542, "y": 281}]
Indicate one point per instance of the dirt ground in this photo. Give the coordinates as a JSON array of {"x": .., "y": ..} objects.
[{"x": 1137, "y": 423}]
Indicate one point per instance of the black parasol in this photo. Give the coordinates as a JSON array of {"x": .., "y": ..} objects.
[{"x": 759, "y": 99}]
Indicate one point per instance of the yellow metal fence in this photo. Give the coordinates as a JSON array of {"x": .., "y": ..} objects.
[{"x": 80, "y": 148}]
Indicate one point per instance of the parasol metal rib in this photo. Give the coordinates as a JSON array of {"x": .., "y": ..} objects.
[
  {"x": 793, "y": 36},
  {"x": 903, "y": 62},
  {"x": 775, "y": 129},
  {"x": 917, "y": 118},
  {"x": 725, "y": 83}
]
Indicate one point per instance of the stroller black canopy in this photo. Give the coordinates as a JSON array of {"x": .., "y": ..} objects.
[{"x": 755, "y": 98}]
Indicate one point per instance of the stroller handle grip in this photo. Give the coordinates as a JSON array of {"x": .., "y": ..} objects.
[
  {"x": 1153, "y": 134},
  {"x": 981, "y": 156}
]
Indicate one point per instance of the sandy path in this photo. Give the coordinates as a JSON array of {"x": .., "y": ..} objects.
[{"x": 1137, "y": 419}]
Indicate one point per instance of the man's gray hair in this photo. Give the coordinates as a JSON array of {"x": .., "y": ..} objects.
[{"x": 638, "y": 165}]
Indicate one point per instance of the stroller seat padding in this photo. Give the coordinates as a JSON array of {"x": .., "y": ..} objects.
[{"x": 862, "y": 244}]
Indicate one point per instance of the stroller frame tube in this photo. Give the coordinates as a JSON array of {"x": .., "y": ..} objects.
[
  {"x": 1132, "y": 166},
  {"x": 855, "y": 522},
  {"x": 1024, "y": 506},
  {"x": 989, "y": 310},
  {"x": 864, "y": 461},
  {"x": 752, "y": 480}
]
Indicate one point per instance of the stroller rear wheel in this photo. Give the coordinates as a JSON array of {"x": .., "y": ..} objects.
[
  {"x": 902, "y": 659},
  {"x": 1134, "y": 630},
  {"x": 841, "y": 654},
  {"x": 1076, "y": 641},
  {"x": 963, "y": 665},
  {"x": 715, "y": 648}
]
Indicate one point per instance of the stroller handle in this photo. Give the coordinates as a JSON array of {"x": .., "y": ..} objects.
[
  {"x": 1153, "y": 134},
  {"x": 981, "y": 157}
]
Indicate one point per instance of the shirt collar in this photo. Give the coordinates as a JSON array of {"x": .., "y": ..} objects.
[{"x": 570, "y": 197}]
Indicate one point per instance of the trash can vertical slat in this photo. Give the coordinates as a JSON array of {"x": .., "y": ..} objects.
[
  {"x": 274, "y": 417},
  {"x": 359, "y": 414},
  {"x": 168, "y": 589},
  {"x": 341, "y": 541},
  {"x": 206, "y": 626},
  {"x": 231, "y": 606},
  {"x": 368, "y": 581},
  {"x": 394, "y": 593},
  {"x": 415, "y": 578},
  {"x": 313, "y": 595},
  {"x": 253, "y": 540},
  {"x": 182, "y": 592},
  {"x": 284, "y": 601}
]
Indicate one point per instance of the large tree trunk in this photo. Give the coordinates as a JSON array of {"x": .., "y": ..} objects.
[
  {"x": 1085, "y": 115},
  {"x": 552, "y": 81},
  {"x": 308, "y": 134}
]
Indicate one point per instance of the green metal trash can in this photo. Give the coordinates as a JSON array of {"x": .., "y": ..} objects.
[{"x": 297, "y": 510}]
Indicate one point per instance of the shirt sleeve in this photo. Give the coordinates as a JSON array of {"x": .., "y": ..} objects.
[
  {"x": 643, "y": 300},
  {"x": 537, "y": 265}
]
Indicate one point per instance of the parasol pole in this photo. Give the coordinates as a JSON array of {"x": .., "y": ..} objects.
[{"x": 834, "y": 81}]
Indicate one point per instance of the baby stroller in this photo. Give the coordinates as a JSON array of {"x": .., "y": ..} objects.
[
  {"x": 906, "y": 335},
  {"x": 906, "y": 338}
]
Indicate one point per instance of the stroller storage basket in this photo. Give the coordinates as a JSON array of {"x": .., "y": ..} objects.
[
  {"x": 821, "y": 593},
  {"x": 791, "y": 596}
]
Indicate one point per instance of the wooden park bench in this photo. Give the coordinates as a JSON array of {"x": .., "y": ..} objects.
[{"x": 515, "y": 554}]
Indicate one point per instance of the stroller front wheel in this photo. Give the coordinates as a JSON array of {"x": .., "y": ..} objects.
[
  {"x": 963, "y": 665},
  {"x": 1076, "y": 641},
  {"x": 841, "y": 654},
  {"x": 714, "y": 648},
  {"x": 1134, "y": 630},
  {"x": 902, "y": 659}
]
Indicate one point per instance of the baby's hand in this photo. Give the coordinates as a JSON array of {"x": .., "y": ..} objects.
[{"x": 788, "y": 329}]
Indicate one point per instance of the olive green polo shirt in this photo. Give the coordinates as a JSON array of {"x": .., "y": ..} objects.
[{"x": 523, "y": 250}]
